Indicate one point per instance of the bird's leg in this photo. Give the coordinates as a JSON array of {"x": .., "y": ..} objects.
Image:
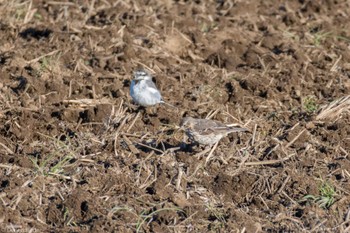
[
  {"x": 152, "y": 111},
  {"x": 211, "y": 153},
  {"x": 145, "y": 117},
  {"x": 148, "y": 114},
  {"x": 133, "y": 107}
]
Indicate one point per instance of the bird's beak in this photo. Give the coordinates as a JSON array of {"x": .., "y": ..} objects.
[{"x": 137, "y": 77}]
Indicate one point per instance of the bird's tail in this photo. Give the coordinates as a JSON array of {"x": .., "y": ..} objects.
[
  {"x": 163, "y": 102},
  {"x": 238, "y": 129}
]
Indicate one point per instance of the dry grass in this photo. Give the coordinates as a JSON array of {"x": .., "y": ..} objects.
[{"x": 335, "y": 109}]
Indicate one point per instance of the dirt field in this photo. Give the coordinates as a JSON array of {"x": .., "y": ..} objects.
[{"x": 78, "y": 156}]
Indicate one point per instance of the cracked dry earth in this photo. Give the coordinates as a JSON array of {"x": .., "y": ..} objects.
[{"x": 78, "y": 156}]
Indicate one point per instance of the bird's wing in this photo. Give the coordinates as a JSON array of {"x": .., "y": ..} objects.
[
  {"x": 151, "y": 84},
  {"x": 151, "y": 87},
  {"x": 205, "y": 123},
  {"x": 207, "y": 127},
  {"x": 237, "y": 129}
]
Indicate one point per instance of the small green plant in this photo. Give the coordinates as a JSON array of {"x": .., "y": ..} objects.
[
  {"x": 19, "y": 14},
  {"x": 38, "y": 16},
  {"x": 343, "y": 38},
  {"x": 49, "y": 63},
  {"x": 320, "y": 37},
  {"x": 292, "y": 35},
  {"x": 58, "y": 157},
  {"x": 45, "y": 64},
  {"x": 309, "y": 104},
  {"x": 326, "y": 197},
  {"x": 143, "y": 218},
  {"x": 45, "y": 167}
]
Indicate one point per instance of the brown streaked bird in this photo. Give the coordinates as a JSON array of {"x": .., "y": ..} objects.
[{"x": 207, "y": 132}]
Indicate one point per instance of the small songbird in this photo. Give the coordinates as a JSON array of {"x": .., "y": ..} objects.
[
  {"x": 143, "y": 90},
  {"x": 207, "y": 132}
]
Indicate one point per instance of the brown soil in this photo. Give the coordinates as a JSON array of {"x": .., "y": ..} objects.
[{"x": 78, "y": 156}]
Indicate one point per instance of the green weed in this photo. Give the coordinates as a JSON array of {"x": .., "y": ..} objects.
[
  {"x": 326, "y": 196},
  {"x": 309, "y": 104},
  {"x": 320, "y": 37},
  {"x": 59, "y": 155}
]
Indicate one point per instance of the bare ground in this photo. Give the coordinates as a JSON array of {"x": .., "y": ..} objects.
[{"x": 78, "y": 156}]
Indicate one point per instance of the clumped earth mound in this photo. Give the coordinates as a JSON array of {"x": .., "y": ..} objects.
[{"x": 78, "y": 156}]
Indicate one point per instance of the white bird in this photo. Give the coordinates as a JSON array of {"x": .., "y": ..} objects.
[{"x": 143, "y": 90}]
